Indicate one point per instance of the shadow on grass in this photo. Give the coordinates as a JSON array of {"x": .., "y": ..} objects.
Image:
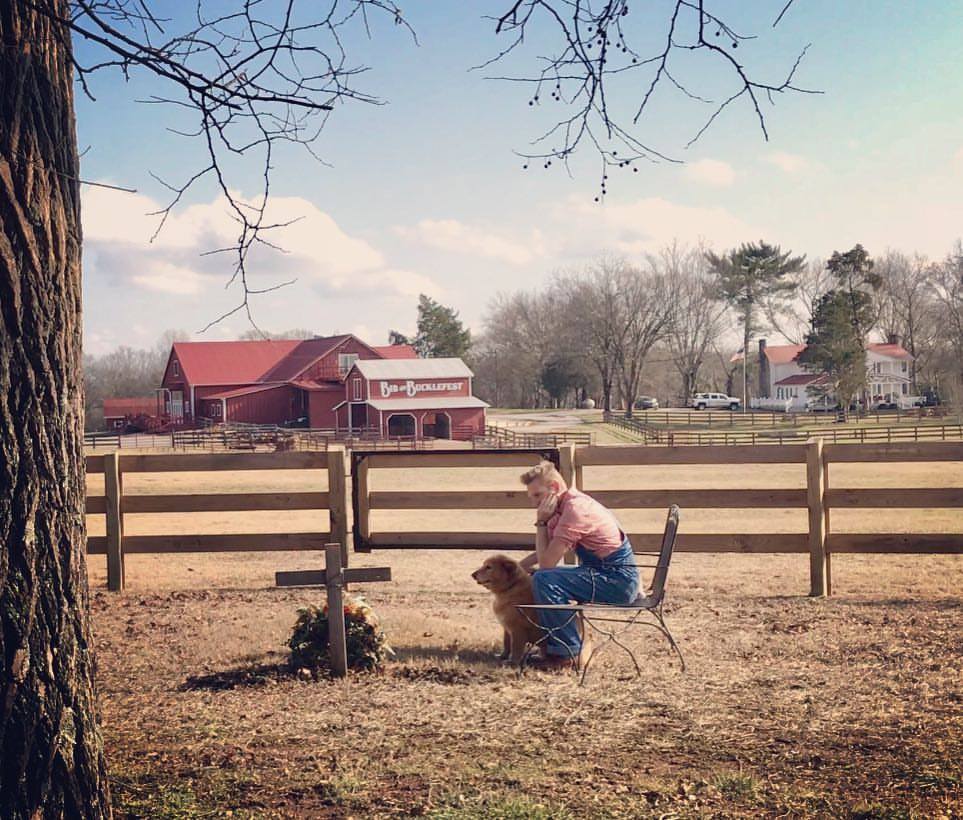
[
  {"x": 254, "y": 674},
  {"x": 423, "y": 664},
  {"x": 481, "y": 657}
]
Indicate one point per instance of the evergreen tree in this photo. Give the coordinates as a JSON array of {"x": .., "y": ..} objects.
[
  {"x": 836, "y": 344},
  {"x": 751, "y": 279},
  {"x": 440, "y": 332}
]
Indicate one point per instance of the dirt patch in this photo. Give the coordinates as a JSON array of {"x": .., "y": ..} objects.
[{"x": 847, "y": 707}]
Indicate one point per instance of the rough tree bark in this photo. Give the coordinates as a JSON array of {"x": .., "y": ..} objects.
[{"x": 51, "y": 751}]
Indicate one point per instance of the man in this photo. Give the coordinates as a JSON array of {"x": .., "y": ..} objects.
[{"x": 565, "y": 520}]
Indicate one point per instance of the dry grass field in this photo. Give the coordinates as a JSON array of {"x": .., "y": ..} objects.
[{"x": 792, "y": 707}]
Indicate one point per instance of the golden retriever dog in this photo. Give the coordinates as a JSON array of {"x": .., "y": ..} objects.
[{"x": 511, "y": 586}]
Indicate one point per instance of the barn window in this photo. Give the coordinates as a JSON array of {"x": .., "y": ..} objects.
[
  {"x": 175, "y": 368},
  {"x": 346, "y": 360}
]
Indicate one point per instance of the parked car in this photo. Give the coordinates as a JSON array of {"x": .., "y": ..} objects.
[
  {"x": 714, "y": 401},
  {"x": 646, "y": 403}
]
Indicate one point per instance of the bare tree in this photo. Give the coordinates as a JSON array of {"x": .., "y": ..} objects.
[
  {"x": 598, "y": 65},
  {"x": 793, "y": 319},
  {"x": 907, "y": 308},
  {"x": 697, "y": 316},
  {"x": 946, "y": 281},
  {"x": 254, "y": 76},
  {"x": 598, "y": 310},
  {"x": 648, "y": 296}
]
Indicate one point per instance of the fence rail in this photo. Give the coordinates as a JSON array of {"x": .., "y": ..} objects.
[
  {"x": 771, "y": 418},
  {"x": 253, "y": 438},
  {"x": 813, "y": 458},
  {"x": 502, "y": 437},
  {"x": 865, "y": 434},
  {"x": 115, "y": 504}
]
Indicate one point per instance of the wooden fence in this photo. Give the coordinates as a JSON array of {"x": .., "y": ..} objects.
[
  {"x": 115, "y": 504},
  {"x": 769, "y": 418},
  {"x": 814, "y": 458},
  {"x": 501, "y": 437},
  {"x": 817, "y": 497},
  {"x": 836, "y": 435}
]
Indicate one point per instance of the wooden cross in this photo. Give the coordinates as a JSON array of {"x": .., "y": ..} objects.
[{"x": 334, "y": 579}]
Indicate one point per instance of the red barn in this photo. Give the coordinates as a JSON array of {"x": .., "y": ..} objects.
[
  {"x": 424, "y": 398},
  {"x": 302, "y": 382}
]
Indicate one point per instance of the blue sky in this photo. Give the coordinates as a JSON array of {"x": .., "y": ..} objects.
[{"x": 425, "y": 193}]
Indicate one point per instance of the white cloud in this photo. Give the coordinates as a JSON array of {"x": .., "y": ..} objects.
[
  {"x": 790, "y": 163},
  {"x": 118, "y": 229},
  {"x": 164, "y": 277},
  {"x": 457, "y": 237},
  {"x": 713, "y": 172},
  {"x": 642, "y": 226}
]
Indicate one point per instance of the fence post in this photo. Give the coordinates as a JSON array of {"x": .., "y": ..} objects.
[
  {"x": 333, "y": 582},
  {"x": 363, "y": 522},
  {"x": 113, "y": 491},
  {"x": 338, "y": 500},
  {"x": 815, "y": 493},
  {"x": 566, "y": 466}
]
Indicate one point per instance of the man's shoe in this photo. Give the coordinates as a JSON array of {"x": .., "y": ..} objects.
[{"x": 552, "y": 663}]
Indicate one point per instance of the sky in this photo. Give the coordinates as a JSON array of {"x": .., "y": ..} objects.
[{"x": 426, "y": 193}]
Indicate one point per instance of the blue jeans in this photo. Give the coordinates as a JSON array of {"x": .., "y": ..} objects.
[{"x": 610, "y": 580}]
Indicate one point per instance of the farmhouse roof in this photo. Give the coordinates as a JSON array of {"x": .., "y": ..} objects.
[
  {"x": 783, "y": 354},
  {"x": 452, "y": 402},
  {"x": 894, "y": 351},
  {"x": 396, "y": 351},
  {"x": 231, "y": 362},
  {"x": 413, "y": 368},
  {"x": 130, "y": 407},
  {"x": 802, "y": 378}
]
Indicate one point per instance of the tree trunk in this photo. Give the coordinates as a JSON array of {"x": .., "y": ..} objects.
[{"x": 53, "y": 761}]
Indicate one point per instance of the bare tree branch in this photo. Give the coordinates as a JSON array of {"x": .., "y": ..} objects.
[{"x": 595, "y": 49}]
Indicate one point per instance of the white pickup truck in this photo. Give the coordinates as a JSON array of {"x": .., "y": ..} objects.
[{"x": 714, "y": 401}]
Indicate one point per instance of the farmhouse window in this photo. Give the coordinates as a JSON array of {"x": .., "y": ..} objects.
[
  {"x": 175, "y": 368},
  {"x": 903, "y": 366},
  {"x": 905, "y": 391},
  {"x": 356, "y": 389}
]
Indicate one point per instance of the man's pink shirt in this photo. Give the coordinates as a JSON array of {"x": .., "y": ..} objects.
[{"x": 580, "y": 519}]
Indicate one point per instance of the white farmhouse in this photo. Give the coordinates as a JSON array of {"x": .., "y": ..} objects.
[{"x": 784, "y": 383}]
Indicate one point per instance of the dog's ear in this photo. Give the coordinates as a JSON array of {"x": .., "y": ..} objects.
[{"x": 506, "y": 564}]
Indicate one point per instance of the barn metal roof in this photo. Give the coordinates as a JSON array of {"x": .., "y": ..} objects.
[
  {"x": 396, "y": 352},
  {"x": 212, "y": 363},
  {"x": 243, "y": 391},
  {"x": 413, "y": 369},
  {"x": 301, "y": 357},
  {"x": 439, "y": 403},
  {"x": 130, "y": 406}
]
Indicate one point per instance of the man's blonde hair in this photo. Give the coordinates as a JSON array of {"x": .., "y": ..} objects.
[{"x": 544, "y": 470}]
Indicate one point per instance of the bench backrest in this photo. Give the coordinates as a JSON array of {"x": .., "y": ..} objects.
[{"x": 665, "y": 555}]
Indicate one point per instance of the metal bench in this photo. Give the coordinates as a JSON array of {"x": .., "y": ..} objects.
[{"x": 619, "y": 618}]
